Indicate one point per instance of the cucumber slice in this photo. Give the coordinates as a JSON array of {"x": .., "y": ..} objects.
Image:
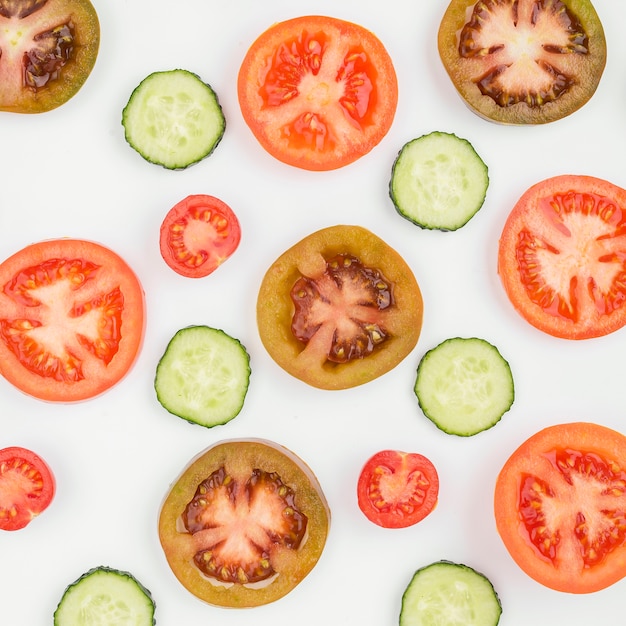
[
  {"x": 203, "y": 376},
  {"x": 464, "y": 386},
  {"x": 105, "y": 596},
  {"x": 438, "y": 181},
  {"x": 173, "y": 119},
  {"x": 449, "y": 594}
]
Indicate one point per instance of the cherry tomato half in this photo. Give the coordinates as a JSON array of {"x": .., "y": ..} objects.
[
  {"x": 27, "y": 487},
  {"x": 318, "y": 92},
  {"x": 560, "y": 507},
  {"x": 198, "y": 234},
  {"x": 72, "y": 318},
  {"x": 48, "y": 50},
  {"x": 244, "y": 523},
  {"x": 562, "y": 260},
  {"x": 339, "y": 309},
  {"x": 397, "y": 489}
]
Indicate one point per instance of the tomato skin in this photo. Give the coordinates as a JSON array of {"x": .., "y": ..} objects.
[
  {"x": 20, "y": 38},
  {"x": 241, "y": 461},
  {"x": 198, "y": 234},
  {"x": 307, "y": 108},
  {"x": 397, "y": 489},
  {"x": 560, "y": 506},
  {"x": 573, "y": 218},
  {"x": 77, "y": 304},
  {"x": 308, "y": 258},
  {"x": 579, "y": 66},
  {"x": 27, "y": 487}
]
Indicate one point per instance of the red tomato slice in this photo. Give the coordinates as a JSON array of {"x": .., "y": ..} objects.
[
  {"x": 562, "y": 258},
  {"x": 397, "y": 489},
  {"x": 560, "y": 507},
  {"x": 318, "y": 92},
  {"x": 72, "y": 317},
  {"x": 198, "y": 234},
  {"x": 27, "y": 487}
]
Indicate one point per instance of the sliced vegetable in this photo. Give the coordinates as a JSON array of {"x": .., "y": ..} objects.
[
  {"x": 72, "y": 319},
  {"x": 438, "y": 181},
  {"x": 339, "y": 308},
  {"x": 27, "y": 487},
  {"x": 104, "y": 595},
  {"x": 449, "y": 594},
  {"x": 48, "y": 49},
  {"x": 560, "y": 507},
  {"x": 397, "y": 489},
  {"x": 562, "y": 258},
  {"x": 522, "y": 61},
  {"x": 203, "y": 376},
  {"x": 173, "y": 119},
  {"x": 244, "y": 523},
  {"x": 464, "y": 386},
  {"x": 318, "y": 92},
  {"x": 198, "y": 234}
]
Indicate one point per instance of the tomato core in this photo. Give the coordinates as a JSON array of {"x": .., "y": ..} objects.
[
  {"x": 348, "y": 296},
  {"x": 296, "y": 72},
  {"x": 585, "y": 474},
  {"x": 240, "y": 550}
]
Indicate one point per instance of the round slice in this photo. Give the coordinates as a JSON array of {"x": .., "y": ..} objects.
[
  {"x": 173, "y": 119},
  {"x": 562, "y": 258},
  {"x": 104, "y": 595},
  {"x": 464, "y": 386},
  {"x": 449, "y": 594},
  {"x": 72, "y": 319},
  {"x": 244, "y": 523},
  {"x": 203, "y": 376},
  {"x": 48, "y": 49},
  {"x": 339, "y": 308},
  {"x": 198, "y": 234},
  {"x": 523, "y": 62},
  {"x": 397, "y": 489},
  {"x": 560, "y": 506},
  {"x": 27, "y": 487},
  {"x": 438, "y": 181},
  {"x": 318, "y": 92}
]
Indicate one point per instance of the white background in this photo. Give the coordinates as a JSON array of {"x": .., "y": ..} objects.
[{"x": 69, "y": 172}]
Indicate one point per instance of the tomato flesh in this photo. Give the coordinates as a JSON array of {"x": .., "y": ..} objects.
[
  {"x": 397, "y": 489},
  {"x": 561, "y": 260},
  {"x": 358, "y": 293},
  {"x": 27, "y": 487},
  {"x": 71, "y": 319},
  {"x": 198, "y": 234},
  {"x": 522, "y": 61},
  {"x": 339, "y": 309},
  {"x": 560, "y": 507},
  {"x": 318, "y": 92},
  {"x": 244, "y": 523},
  {"x": 47, "y": 50}
]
